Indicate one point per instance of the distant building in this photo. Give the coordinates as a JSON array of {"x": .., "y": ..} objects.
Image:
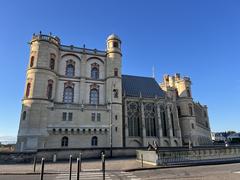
[
  {"x": 219, "y": 136},
  {"x": 234, "y": 138},
  {"x": 77, "y": 98}
]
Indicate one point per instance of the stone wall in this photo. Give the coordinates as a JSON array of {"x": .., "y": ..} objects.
[
  {"x": 15, "y": 157},
  {"x": 63, "y": 154},
  {"x": 87, "y": 153}
]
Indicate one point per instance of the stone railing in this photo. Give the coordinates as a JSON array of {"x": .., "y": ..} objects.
[
  {"x": 53, "y": 39},
  {"x": 83, "y": 50},
  {"x": 186, "y": 156}
]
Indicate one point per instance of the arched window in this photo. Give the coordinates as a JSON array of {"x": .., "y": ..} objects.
[
  {"x": 52, "y": 64},
  {"x": 94, "y": 141},
  {"x": 190, "y": 110},
  {"x": 94, "y": 73},
  {"x": 163, "y": 121},
  {"x": 28, "y": 89},
  {"x": 150, "y": 119},
  {"x": 49, "y": 89},
  {"x": 70, "y": 70},
  {"x": 64, "y": 141},
  {"x": 32, "y": 61},
  {"x": 134, "y": 123},
  {"x": 24, "y": 115},
  {"x": 94, "y": 98},
  {"x": 116, "y": 72},
  {"x": 68, "y": 94}
]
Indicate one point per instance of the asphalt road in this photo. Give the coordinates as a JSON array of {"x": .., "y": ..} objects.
[{"x": 210, "y": 172}]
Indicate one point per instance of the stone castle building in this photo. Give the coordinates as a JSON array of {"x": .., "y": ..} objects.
[{"x": 77, "y": 98}]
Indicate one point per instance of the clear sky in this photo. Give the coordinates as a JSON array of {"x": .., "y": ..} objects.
[{"x": 197, "y": 38}]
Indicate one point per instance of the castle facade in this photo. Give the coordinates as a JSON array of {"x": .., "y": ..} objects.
[{"x": 78, "y": 98}]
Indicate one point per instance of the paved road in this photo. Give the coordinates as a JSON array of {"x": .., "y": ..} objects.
[
  {"x": 210, "y": 172},
  {"x": 86, "y": 175}
]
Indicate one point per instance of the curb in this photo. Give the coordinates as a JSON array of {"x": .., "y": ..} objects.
[{"x": 183, "y": 165}]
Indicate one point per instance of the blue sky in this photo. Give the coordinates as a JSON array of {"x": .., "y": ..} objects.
[{"x": 199, "y": 39}]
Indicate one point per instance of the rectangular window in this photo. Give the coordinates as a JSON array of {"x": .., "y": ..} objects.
[
  {"x": 98, "y": 116},
  {"x": 70, "y": 115},
  {"x": 93, "y": 116},
  {"x": 116, "y": 129},
  {"x": 116, "y": 117},
  {"x": 64, "y": 116}
]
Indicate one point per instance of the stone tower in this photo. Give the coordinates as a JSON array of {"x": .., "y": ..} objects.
[
  {"x": 185, "y": 105},
  {"x": 114, "y": 88},
  {"x": 39, "y": 91}
]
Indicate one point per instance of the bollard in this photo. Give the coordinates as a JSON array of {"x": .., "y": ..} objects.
[
  {"x": 80, "y": 162},
  {"x": 34, "y": 163},
  {"x": 42, "y": 169},
  {"x": 142, "y": 159},
  {"x": 78, "y": 168},
  {"x": 103, "y": 165},
  {"x": 70, "y": 167}
]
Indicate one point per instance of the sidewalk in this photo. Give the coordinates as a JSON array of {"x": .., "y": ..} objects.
[{"x": 63, "y": 167}]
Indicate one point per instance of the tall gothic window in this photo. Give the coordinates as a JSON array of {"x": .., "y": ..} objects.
[
  {"x": 172, "y": 121},
  {"x": 28, "y": 89},
  {"x": 94, "y": 141},
  {"x": 163, "y": 121},
  {"x": 95, "y": 71},
  {"x": 94, "y": 96},
  {"x": 49, "y": 89},
  {"x": 32, "y": 61},
  {"x": 64, "y": 142},
  {"x": 70, "y": 68},
  {"x": 150, "y": 119},
  {"x": 133, "y": 112},
  {"x": 68, "y": 93}
]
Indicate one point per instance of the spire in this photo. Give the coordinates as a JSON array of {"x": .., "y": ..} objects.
[{"x": 153, "y": 72}]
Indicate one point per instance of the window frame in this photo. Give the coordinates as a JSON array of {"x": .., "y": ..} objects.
[
  {"x": 94, "y": 98},
  {"x": 64, "y": 141},
  {"x": 94, "y": 141}
]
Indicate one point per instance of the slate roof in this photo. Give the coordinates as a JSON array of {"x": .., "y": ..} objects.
[{"x": 148, "y": 87}]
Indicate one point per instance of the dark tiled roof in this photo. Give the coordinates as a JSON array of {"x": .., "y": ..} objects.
[{"x": 146, "y": 86}]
